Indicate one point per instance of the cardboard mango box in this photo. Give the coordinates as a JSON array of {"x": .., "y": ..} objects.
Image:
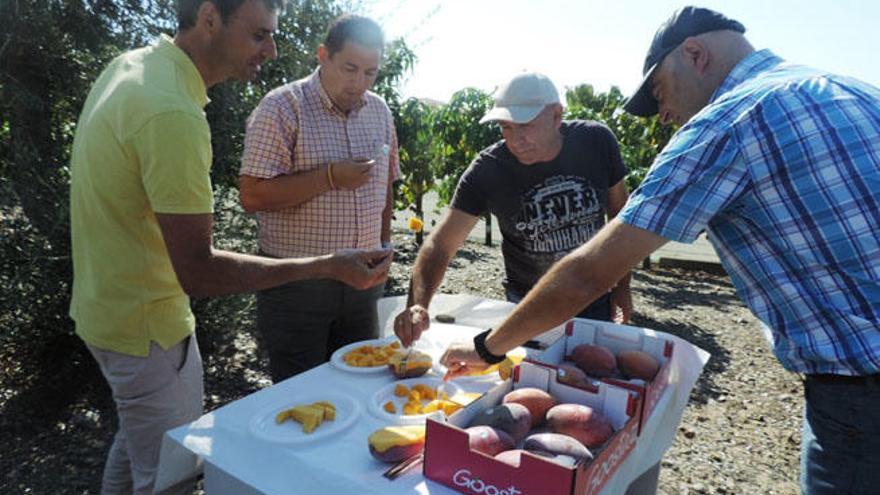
[
  {"x": 617, "y": 338},
  {"x": 448, "y": 459}
]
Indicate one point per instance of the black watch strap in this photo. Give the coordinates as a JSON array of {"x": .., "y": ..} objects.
[{"x": 480, "y": 347}]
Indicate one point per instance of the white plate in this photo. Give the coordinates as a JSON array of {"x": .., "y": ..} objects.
[
  {"x": 263, "y": 424},
  {"x": 337, "y": 361},
  {"x": 386, "y": 393}
]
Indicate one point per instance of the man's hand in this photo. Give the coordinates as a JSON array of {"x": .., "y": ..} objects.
[
  {"x": 621, "y": 304},
  {"x": 461, "y": 360},
  {"x": 410, "y": 323},
  {"x": 350, "y": 174},
  {"x": 361, "y": 269}
]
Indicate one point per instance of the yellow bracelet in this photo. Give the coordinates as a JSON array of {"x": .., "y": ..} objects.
[{"x": 330, "y": 176}]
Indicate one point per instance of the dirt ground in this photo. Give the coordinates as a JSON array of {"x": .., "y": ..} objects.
[{"x": 740, "y": 433}]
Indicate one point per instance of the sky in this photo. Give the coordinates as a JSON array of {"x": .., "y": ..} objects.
[{"x": 481, "y": 43}]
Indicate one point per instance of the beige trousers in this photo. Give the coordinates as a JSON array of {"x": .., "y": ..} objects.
[{"x": 153, "y": 394}]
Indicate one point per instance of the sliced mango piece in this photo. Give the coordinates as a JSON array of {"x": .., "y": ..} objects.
[
  {"x": 400, "y": 390},
  {"x": 397, "y": 436},
  {"x": 434, "y": 405},
  {"x": 425, "y": 392},
  {"x": 282, "y": 416},
  {"x": 310, "y": 423},
  {"x": 412, "y": 408},
  {"x": 309, "y": 416},
  {"x": 329, "y": 409},
  {"x": 465, "y": 398},
  {"x": 441, "y": 405}
]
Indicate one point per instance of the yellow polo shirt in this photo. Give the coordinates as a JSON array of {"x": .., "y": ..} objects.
[{"x": 142, "y": 147}]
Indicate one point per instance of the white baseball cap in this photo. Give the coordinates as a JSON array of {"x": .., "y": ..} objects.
[{"x": 522, "y": 98}]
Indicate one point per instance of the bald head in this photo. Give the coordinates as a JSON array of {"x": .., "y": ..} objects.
[
  {"x": 725, "y": 49},
  {"x": 690, "y": 73}
]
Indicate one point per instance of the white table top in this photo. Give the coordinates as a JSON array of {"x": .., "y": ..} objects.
[{"x": 238, "y": 461}]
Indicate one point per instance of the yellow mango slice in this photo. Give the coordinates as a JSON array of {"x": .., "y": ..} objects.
[
  {"x": 311, "y": 423},
  {"x": 282, "y": 416},
  {"x": 329, "y": 409},
  {"x": 465, "y": 398},
  {"x": 412, "y": 408},
  {"x": 309, "y": 416}
]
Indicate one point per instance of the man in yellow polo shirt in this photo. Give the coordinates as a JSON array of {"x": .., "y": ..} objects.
[{"x": 141, "y": 222}]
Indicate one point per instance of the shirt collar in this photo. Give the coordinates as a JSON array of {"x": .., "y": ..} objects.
[
  {"x": 192, "y": 78},
  {"x": 747, "y": 68},
  {"x": 315, "y": 83}
]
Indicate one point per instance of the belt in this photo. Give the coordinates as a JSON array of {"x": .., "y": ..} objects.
[{"x": 845, "y": 379}]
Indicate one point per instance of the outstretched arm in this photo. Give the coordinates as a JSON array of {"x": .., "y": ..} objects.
[
  {"x": 205, "y": 271},
  {"x": 430, "y": 266},
  {"x": 575, "y": 281}
]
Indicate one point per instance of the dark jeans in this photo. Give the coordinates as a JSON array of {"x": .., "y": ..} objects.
[
  {"x": 303, "y": 323},
  {"x": 840, "y": 444},
  {"x": 599, "y": 310}
]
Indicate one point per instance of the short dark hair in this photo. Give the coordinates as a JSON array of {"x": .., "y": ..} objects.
[
  {"x": 187, "y": 10},
  {"x": 356, "y": 28}
]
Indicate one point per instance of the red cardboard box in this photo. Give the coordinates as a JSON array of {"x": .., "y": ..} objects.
[
  {"x": 448, "y": 459},
  {"x": 618, "y": 338}
]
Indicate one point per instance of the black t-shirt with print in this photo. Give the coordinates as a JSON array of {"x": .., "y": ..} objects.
[{"x": 544, "y": 210}]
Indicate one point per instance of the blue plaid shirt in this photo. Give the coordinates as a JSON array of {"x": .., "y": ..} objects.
[{"x": 782, "y": 170}]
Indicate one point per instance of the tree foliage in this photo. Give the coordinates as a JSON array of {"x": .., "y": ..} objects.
[
  {"x": 51, "y": 51},
  {"x": 462, "y": 136},
  {"x": 641, "y": 139},
  {"x": 418, "y": 156}
]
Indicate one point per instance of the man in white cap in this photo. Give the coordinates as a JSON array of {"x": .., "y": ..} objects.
[{"x": 551, "y": 184}]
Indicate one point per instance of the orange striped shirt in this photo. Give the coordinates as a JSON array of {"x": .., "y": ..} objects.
[{"x": 296, "y": 128}]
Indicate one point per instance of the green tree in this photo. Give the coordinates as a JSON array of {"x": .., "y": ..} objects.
[
  {"x": 462, "y": 137},
  {"x": 397, "y": 61},
  {"x": 418, "y": 154},
  {"x": 641, "y": 139},
  {"x": 51, "y": 52}
]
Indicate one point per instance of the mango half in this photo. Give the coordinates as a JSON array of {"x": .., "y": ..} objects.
[
  {"x": 396, "y": 443},
  {"x": 416, "y": 364}
]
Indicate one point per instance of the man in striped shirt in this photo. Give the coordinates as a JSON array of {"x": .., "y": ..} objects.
[
  {"x": 780, "y": 164},
  {"x": 319, "y": 159}
]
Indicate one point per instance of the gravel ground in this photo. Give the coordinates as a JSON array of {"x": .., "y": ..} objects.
[{"x": 739, "y": 434}]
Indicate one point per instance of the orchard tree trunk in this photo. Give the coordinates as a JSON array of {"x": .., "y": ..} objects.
[
  {"x": 420, "y": 235},
  {"x": 488, "y": 218}
]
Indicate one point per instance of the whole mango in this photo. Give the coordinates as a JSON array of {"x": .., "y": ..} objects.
[
  {"x": 580, "y": 422},
  {"x": 594, "y": 360},
  {"x": 638, "y": 364},
  {"x": 537, "y": 401},
  {"x": 513, "y": 419},
  {"x": 488, "y": 440}
]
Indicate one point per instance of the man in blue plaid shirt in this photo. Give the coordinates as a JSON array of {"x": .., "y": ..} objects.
[{"x": 780, "y": 164}]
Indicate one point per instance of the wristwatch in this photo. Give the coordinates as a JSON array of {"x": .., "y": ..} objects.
[{"x": 480, "y": 347}]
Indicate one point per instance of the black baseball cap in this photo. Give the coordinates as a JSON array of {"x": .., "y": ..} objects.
[{"x": 684, "y": 23}]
